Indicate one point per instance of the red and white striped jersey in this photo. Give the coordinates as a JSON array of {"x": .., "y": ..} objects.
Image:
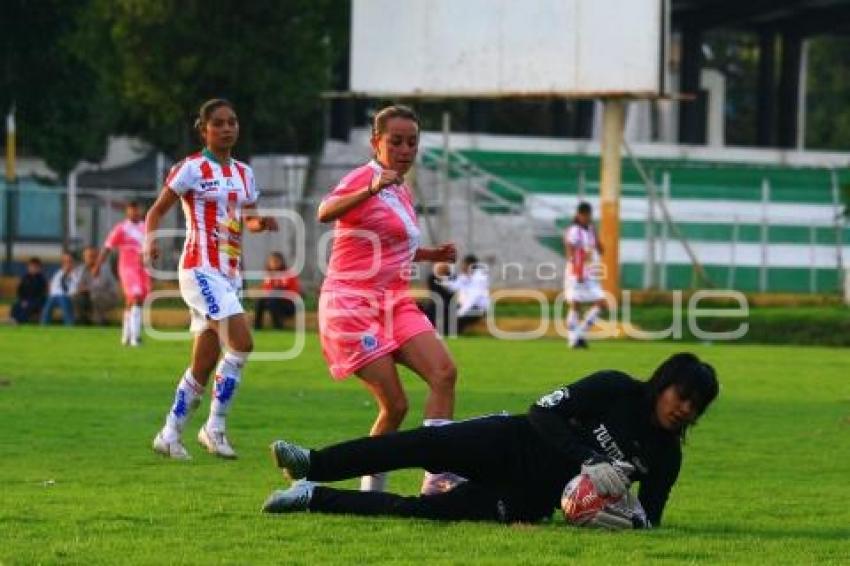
[
  {"x": 583, "y": 240},
  {"x": 213, "y": 195}
]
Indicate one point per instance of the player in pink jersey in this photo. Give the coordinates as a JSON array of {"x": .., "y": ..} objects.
[
  {"x": 219, "y": 195},
  {"x": 128, "y": 238},
  {"x": 581, "y": 280},
  {"x": 368, "y": 323}
]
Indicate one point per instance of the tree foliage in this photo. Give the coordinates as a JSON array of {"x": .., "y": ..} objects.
[
  {"x": 61, "y": 114},
  {"x": 828, "y": 96},
  {"x": 163, "y": 58}
]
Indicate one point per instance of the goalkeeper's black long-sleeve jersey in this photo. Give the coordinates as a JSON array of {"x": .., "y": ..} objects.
[{"x": 609, "y": 413}]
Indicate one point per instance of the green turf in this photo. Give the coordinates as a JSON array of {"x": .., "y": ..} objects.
[{"x": 766, "y": 477}]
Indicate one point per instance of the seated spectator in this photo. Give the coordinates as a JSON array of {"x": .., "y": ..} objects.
[
  {"x": 438, "y": 306},
  {"x": 62, "y": 287},
  {"x": 32, "y": 292},
  {"x": 96, "y": 294},
  {"x": 472, "y": 287},
  {"x": 278, "y": 286}
]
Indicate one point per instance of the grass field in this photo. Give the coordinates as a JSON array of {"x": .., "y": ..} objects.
[{"x": 766, "y": 477}]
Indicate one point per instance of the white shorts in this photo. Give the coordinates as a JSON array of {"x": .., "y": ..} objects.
[
  {"x": 210, "y": 296},
  {"x": 587, "y": 291}
]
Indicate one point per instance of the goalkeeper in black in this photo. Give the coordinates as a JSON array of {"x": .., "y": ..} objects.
[{"x": 516, "y": 467}]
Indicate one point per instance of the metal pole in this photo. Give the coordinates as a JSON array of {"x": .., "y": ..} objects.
[
  {"x": 733, "y": 254},
  {"x": 649, "y": 263},
  {"x": 443, "y": 230},
  {"x": 9, "y": 193},
  {"x": 582, "y": 184},
  {"x": 470, "y": 198},
  {"x": 812, "y": 265},
  {"x": 765, "y": 201},
  {"x": 665, "y": 231},
  {"x": 72, "y": 207},
  {"x": 839, "y": 223},
  {"x": 610, "y": 179}
]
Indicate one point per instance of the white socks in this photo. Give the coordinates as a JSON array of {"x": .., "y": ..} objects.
[
  {"x": 572, "y": 326},
  {"x": 576, "y": 330},
  {"x": 125, "y": 327},
  {"x": 589, "y": 319},
  {"x": 227, "y": 377},
  {"x": 135, "y": 323},
  {"x": 375, "y": 482},
  {"x": 131, "y": 329},
  {"x": 186, "y": 400}
]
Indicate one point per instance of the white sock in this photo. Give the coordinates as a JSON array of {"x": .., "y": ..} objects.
[
  {"x": 186, "y": 400},
  {"x": 572, "y": 326},
  {"x": 228, "y": 374},
  {"x": 135, "y": 323},
  {"x": 375, "y": 482},
  {"x": 589, "y": 319},
  {"x": 125, "y": 327}
]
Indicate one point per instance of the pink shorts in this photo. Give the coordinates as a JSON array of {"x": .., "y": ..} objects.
[
  {"x": 135, "y": 283},
  {"x": 356, "y": 328}
]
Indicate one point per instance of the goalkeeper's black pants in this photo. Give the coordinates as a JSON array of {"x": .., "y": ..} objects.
[{"x": 512, "y": 474}]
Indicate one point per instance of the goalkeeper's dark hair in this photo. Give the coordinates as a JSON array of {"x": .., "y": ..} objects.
[
  {"x": 384, "y": 115},
  {"x": 694, "y": 379}
]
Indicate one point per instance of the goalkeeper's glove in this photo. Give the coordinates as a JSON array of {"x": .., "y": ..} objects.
[
  {"x": 609, "y": 478},
  {"x": 627, "y": 513}
]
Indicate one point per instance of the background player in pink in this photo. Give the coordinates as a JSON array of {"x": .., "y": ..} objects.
[
  {"x": 128, "y": 237},
  {"x": 581, "y": 281},
  {"x": 367, "y": 321},
  {"x": 218, "y": 194}
]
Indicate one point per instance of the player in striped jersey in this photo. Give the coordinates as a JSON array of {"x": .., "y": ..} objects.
[
  {"x": 219, "y": 195},
  {"x": 581, "y": 281}
]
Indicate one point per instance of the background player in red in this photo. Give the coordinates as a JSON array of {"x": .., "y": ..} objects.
[
  {"x": 218, "y": 194},
  {"x": 367, "y": 320},
  {"x": 280, "y": 285},
  {"x": 581, "y": 281},
  {"x": 128, "y": 238}
]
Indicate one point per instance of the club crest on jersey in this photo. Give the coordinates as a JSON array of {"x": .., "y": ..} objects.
[{"x": 368, "y": 342}]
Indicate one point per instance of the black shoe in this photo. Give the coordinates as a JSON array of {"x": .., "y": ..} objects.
[{"x": 582, "y": 343}]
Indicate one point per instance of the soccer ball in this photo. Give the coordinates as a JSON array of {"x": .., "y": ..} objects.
[
  {"x": 583, "y": 506},
  {"x": 581, "y": 502}
]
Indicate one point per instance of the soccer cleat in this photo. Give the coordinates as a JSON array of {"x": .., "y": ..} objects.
[
  {"x": 433, "y": 484},
  {"x": 215, "y": 441},
  {"x": 296, "y": 498},
  {"x": 291, "y": 458},
  {"x": 173, "y": 449}
]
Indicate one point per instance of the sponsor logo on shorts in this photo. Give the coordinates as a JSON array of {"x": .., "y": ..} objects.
[
  {"x": 206, "y": 292},
  {"x": 369, "y": 342}
]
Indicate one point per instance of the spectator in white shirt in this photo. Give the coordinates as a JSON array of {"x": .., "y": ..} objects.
[
  {"x": 472, "y": 290},
  {"x": 62, "y": 286}
]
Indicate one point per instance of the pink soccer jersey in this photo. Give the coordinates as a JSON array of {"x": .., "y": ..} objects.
[
  {"x": 213, "y": 195},
  {"x": 374, "y": 243},
  {"x": 128, "y": 237}
]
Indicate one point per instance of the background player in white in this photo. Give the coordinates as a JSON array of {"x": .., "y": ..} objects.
[
  {"x": 581, "y": 281},
  {"x": 128, "y": 236},
  {"x": 218, "y": 194}
]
